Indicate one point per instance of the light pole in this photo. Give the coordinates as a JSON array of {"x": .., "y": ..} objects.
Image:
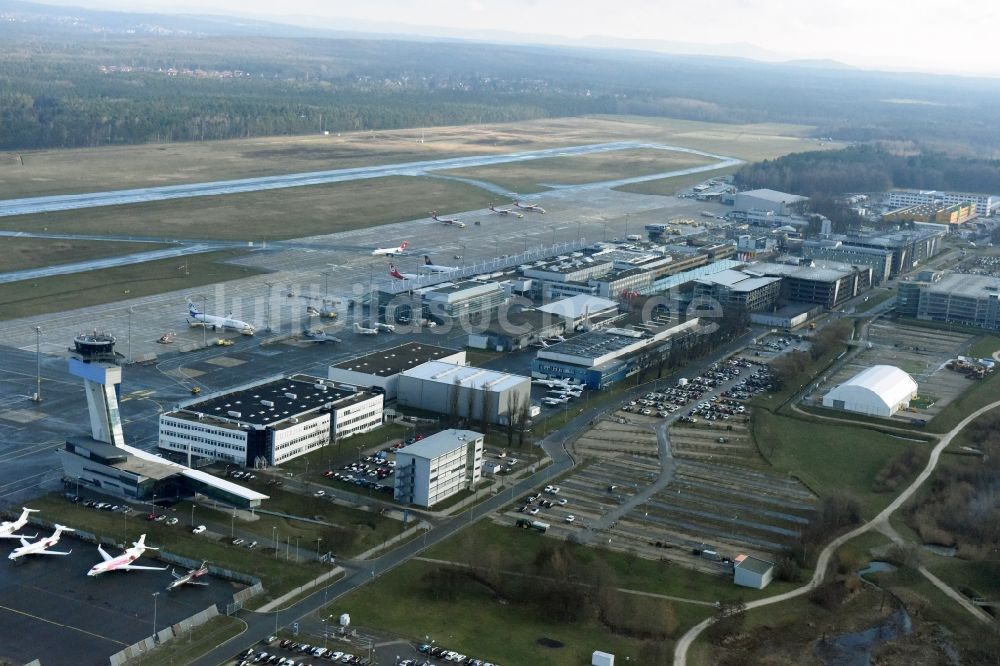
[
  {"x": 274, "y": 542},
  {"x": 204, "y": 313},
  {"x": 318, "y": 539},
  {"x": 267, "y": 305},
  {"x": 297, "y": 548},
  {"x": 232, "y": 525},
  {"x": 192, "y": 516},
  {"x": 38, "y": 363},
  {"x": 155, "y": 594},
  {"x": 129, "y": 358}
]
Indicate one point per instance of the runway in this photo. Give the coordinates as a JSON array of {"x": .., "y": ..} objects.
[{"x": 53, "y": 203}]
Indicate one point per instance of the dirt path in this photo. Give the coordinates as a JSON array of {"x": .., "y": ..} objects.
[{"x": 822, "y": 563}]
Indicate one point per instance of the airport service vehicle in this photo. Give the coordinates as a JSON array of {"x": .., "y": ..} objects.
[
  {"x": 227, "y": 322},
  {"x": 535, "y": 208},
  {"x": 391, "y": 251},
  {"x": 124, "y": 561},
  {"x": 42, "y": 546},
  {"x": 8, "y": 528},
  {"x": 190, "y": 578}
]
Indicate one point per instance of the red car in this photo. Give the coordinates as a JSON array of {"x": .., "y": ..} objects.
[{"x": 328, "y": 473}]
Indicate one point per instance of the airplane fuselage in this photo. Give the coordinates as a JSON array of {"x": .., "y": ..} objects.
[{"x": 229, "y": 323}]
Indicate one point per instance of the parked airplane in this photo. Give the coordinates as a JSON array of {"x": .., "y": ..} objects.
[
  {"x": 434, "y": 268},
  {"x": 320, "y": 336},
  {"x": 41, "y": 547},
  {"x": 124, "y": 561},
  {"x": 190, "y": 578},
  {"x": 361, "y": 330},
  {"x": 391, "y": 251},
  {"x": 448, "y": 220},
  {"x": 506, "y": 211},
  {"x": 394, "y": 272},
  {"x": 7, "y": 528},
  {"x": 202, "y": 319},
  {"x": 532, "y": 207}
]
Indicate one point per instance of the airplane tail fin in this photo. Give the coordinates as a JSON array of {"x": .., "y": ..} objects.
[
  {"x": 63, "y": 528},
  {"x": 427, "y": 260},
  {"x": 192, "y": 308},
  {"x": 404, "y": 245},
  {"x": 394, "y": 272}
]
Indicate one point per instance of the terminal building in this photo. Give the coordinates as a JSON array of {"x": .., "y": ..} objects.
[
  {"x": 271, "y": 422},
  {"x": 463, "y": 391},
  {"x": 910, "y": 248},
  {"x": 952, "y": 298},
  {"x": 380, "y": 370},
  {"x": 827, "y": 284},
  {"x": 437, "y": 467},
  {"x": 880, "y": 259},
  {"x": 732, "y": 287},
  {"x": 601, "y": 358}
]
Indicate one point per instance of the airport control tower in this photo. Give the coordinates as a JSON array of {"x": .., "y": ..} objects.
[{"x": 102, "y": 381}]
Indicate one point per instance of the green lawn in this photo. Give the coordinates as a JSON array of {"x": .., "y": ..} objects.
[
  {"x": 876, "y": 298},
  {"x": 982, "y": 577},
  {"x": 985, "y": 346},
  {"x": 478, "y": 624},
  {"x": 829, "y": 458},
  {"x": 188, "y": 647},
  {"x": 979, "y": 394},
  {"x": 66, "y": 292}
]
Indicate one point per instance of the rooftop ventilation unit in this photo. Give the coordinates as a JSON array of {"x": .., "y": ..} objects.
[
  {"x": 234, "y": 414},
  {"x": 291, "y": 396},
  {"x": 267, "y": 403}
]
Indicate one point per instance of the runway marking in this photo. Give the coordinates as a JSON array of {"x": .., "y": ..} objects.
[{"x": 60, "y": 624}]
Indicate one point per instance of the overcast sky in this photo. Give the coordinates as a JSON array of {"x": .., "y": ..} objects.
[{"x": 920, "y": 35}]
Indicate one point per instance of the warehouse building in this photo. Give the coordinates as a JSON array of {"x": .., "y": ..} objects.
[
  {"x": 881, "y": 390},
  {"x": 766, "y": 201},
  {"x": 380, "y": 370},
  {"x": 463, "y": 391},
  {"x": 577, "y": 310},
  {"x": 752, "y": 572},
  {"x": 469, "y": 300},
  {"x": 952, "y": 298},
  {"x": 271, "y": 422},
  {"x": 516, "y": 327},
  {"x": 437, "y": 467}
]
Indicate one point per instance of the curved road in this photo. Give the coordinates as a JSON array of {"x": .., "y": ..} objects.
[
  {"x": 146, "y": 194},
  {"x": 822, "y": 563}
]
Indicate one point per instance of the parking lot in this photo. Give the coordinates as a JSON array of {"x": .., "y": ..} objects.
[
  {"x": 921, "y": 352},
  {"x": 337, "y": 646}
]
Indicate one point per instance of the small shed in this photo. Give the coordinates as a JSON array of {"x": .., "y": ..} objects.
[
  {"x": 602, "y": 659},
  {"x": 752, "y": 572},
  {"x": 491, "y": 467}
]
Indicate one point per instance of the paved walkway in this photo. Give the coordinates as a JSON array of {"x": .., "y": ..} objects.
[{"x": 822, "y": 563}]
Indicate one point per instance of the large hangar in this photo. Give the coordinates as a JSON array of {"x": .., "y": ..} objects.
[{"x": 881, "y": 390}]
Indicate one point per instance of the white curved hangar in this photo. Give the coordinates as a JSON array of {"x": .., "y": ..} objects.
[{"x": 881, "y": 390}]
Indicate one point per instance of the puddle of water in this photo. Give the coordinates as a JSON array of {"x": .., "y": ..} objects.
[
  {"x": 876, "y": 566},
  {"x": 854, "y": 649},
  {"x": 943, "y": 551}
]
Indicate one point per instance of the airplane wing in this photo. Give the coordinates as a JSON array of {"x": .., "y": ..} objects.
[
  {"x": 22, "y": 537},
  {"x": 196, "y": 582},
  {"x": 130, "y": 567},
  {"x": 24, "y": 542},
  {"x": 104, "y": 555},
  {"x": 52, "y": 552}
]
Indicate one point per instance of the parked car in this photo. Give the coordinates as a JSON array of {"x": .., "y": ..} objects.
[{"x": 198, "y": 530}]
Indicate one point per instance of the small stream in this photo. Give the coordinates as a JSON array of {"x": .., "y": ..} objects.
[{"x": 855, "y": 648}]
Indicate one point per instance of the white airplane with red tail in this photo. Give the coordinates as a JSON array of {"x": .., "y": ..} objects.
[
  {"x": 124, "y": 561},
  {"x": 394, "y": 272},
  {"x": 448, "y": 220},
  {"x": 506, "y": 211},
  {"x": 391, "y": 251},
  {"x": 41, "y": 547},
  {"x": 535, "y": 208}
]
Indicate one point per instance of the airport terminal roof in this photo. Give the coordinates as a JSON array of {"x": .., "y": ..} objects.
[
  {"x": 392, "y": 361},
  {"x": 576, "y": 306},
  {"x": 819, "y": 271},
  {"x": 440, "y": 443},
  {"x": 469, "y": 376},
  {"x": 964, "y": 284},
  {"x": 774, "y": 196},
  {"x": 204, "y": 477},
  {"x": 271, "y": 403}
]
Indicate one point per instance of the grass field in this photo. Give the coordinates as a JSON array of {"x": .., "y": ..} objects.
[
  {"x": 67, "y": 292},
  {"x": 985, "y": 346},
  {"x": 979, "y": 394},
  {"x": 18, "y": 254},
  {"x": 829, "y": 458},
  {"x": 875, "y": 299},
  {"x": 270, "y": 215},
  {"x": 120, "y": 167},
  {"x": 188, "y": 647},
  {"x": 533, "y": 176}
]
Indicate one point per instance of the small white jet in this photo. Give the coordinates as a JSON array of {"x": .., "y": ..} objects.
[
  {"x": 391, "y": 251},
  {"x": 361, "y": 330},
  {"x": 448, "y": 220},
  {"x": 506, "y": 211},
  {"x": 202, "y": 319},
  {"x": 320, "y": 337},
  {"x": 388, "y": 328},
  {"x": 8, "y": 528},
  {"x": 394, "y": 272},
  {"x": 41, "y": 547},
  {"x": 431, "y": 267},
  {"x": 190, "y": 578},
  {"x": 530, "y": 206},
  {"x": 124, "y": 561}
]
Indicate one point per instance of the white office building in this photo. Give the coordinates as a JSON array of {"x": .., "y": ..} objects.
[
  {"x": 380, "y": 369},
  {"x": 271, "y": 422},
  {"x": 438, "y": 466},
  {"x": 463, "y": 391},
  {"x": 986, "y": 204}
]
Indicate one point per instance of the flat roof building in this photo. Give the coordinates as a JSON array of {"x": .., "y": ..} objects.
[
  {"x": 752, "y": 572},
  {"x": 732, "y": 287},
  {"x": 381, "y": 369},
  {"x": 952, "y": 298},
  {"x": 880, "y": 259},
  {"x": 469, "y": 299},
  {"x": 825, "y": 283},
  {"x": 881, "y": 390},
  {"x": 270, "y": 422},
  {"x": 463, "y": 391},
  {"x": 768, "y": 201},
  {"x": 986, "y": 204},
  {"x": 437, "y": 467}
]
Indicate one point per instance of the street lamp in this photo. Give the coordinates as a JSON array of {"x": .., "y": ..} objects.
[
  {"x": 204, "y": 314},
  {"x": 38, "y": 363},
  {"x": 232, "y": 525},
  {"x": 192, "y": 516},
  {"x": 129, "y": 358},
  {"x": 318, "y": 539},
  {"x": 155, "y": 594},
  {"x": 297, "y": 548},
  {"x": 274, "y": 542}
]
